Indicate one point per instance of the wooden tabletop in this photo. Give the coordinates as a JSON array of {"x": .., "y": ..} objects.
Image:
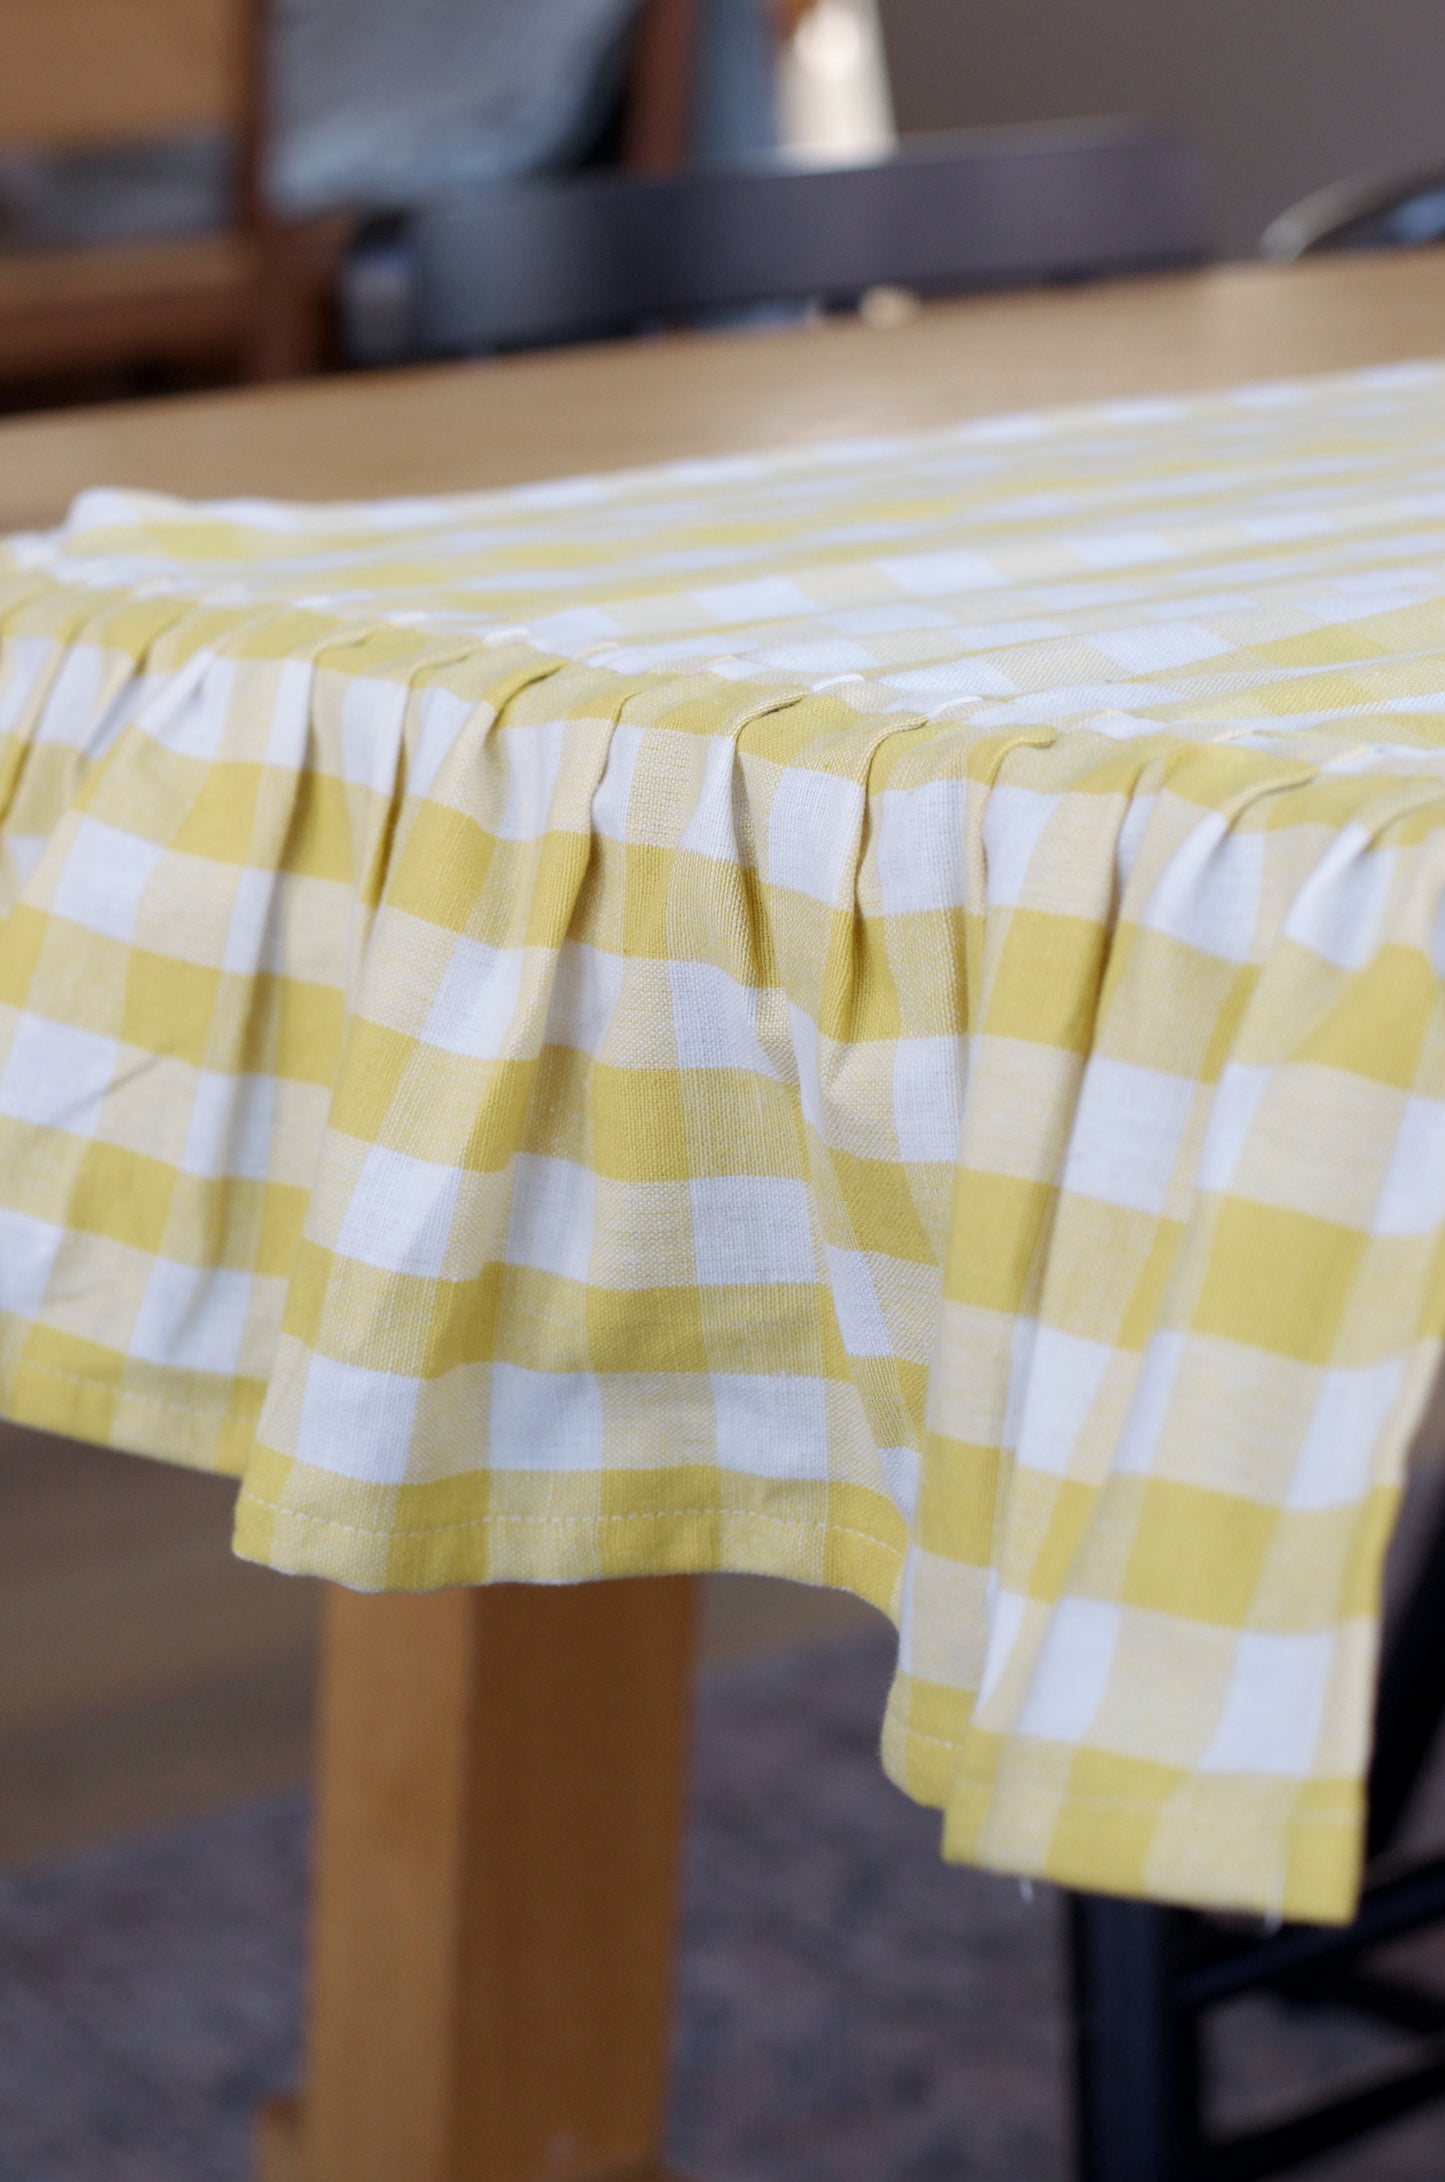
[{"x": 446, "y": 428}]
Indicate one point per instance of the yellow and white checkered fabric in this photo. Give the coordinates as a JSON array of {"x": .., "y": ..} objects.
[{"x": 873, "y": 1015}]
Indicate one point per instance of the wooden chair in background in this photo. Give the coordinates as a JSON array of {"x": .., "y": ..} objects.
[
  {"x": 658, "y": 120},
  {"x": 91, "y": 75},
  {"x": 659, "y": 87}
]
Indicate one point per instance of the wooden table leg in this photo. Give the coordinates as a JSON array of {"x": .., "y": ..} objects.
[{"x": 503, "y": 1779}]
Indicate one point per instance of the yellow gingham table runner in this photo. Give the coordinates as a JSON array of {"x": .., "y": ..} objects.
[{"x": 872, "y": 1015}]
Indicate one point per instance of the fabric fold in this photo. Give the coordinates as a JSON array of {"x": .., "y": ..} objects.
[{"x": 873, "y": 1017}]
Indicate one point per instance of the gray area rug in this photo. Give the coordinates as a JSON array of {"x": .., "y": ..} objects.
[{"x": 852, "y": 2009}]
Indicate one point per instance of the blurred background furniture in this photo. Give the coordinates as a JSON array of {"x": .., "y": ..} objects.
[
  {"x": 718, "y": 82},
  {"x": 561, "y": 260},
  {"x": 1367, "y": 212},
  {"x": 379, "y": 102},
  {"x": 87, "y": 77},
  {"x": 1280, "y": 99},
  {"x": 177, "y": 177},
  {"x": 128, "y": 227}
]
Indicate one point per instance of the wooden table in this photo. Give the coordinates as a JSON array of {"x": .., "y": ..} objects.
[{"x": 502, "y": 1772}]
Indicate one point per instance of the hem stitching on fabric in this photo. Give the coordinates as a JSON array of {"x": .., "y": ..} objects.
[
  {"x": 569, "y": 1522},
  {"x": 1072, "y": 1798},
  {"x": 202, "y": 1412}
]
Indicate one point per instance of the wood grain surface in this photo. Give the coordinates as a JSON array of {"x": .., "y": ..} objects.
[
  {"x": 498, "y": 1863},
  {"x": 455, "y": 427}
]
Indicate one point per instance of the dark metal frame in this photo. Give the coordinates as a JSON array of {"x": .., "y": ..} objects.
[
  {"x": 1367, "y": 212},
  {"x": 1145, "y": 1978},
  {"x": 588, "y": 256}
]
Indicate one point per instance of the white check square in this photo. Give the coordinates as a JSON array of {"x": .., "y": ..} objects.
[
  {"x": 1133, "y": 826},
  {"x": 251, "y": 934},
  {"x": 1232, "y": 1112},
  {"x": 1065, "y": 1374},
  {"x": 554, "y": 1210},
  {"x": 70, "y": 710},
  {"x": 949, "y": 681},
  {"x": 106, "y": 872},
  {"x": 813, "y": 826},
  {"x": 372, "y": 712},
  {"x": 1273, "y": 1712},
  {"x": 934, "y": 575},
  {"x": 1128, "y": 1127},
  {"x": 1209, "y": 892},
  {"x": 476, "y": 1004},
  {"x": 1143, "y": 1433},
  {"x": 357, "y": 1423},
  {"x": 715, "y": 1020},
  {"x": 902, "y": 1469},
  {"x": 1007, "y": 1616},
  {"x": 534, "y": 759},
  {"x": 192, "y": 1318},
  {"x": 1412, "y": 1196},
  {"x": 57, "y": 1076},
  {"x": 762, "y": 598},
  {"x": 771, "y": 1426},
  {"x": 22, "y": 853},
  {"x": 861, "y": 1324},
  {"x": 231, "y": 1126},
  {"x": 1071, "y": 1673},
  {"x": 711, "y": 828},
  {"x": 1014, "y": 820},
  {"x": 401, "y": 1214},
  {"x": 586, "y": 987},
  {"x": 291, "y": 704},
  {"x": 922, "y": 844},
  {"x": 751, "y": 1228},
  {"x": 28, "y": 1251},
  {"x": 1119, "y": 548},
  {"x": 1337, "y": 1461},
  {"x": 613, "y": 796},
  {"x": 1155, "y": 647},
  {"x": 1337, "y": 912},
  {"x": 544, "y": 1420},
  {"x": 190, "y": 712},
  {"x": 928, "y": 1085},
  {"x": 803, "y": 1033},
  {"x": 25, "y": 660},
  {"x": 440, "y": 716}
]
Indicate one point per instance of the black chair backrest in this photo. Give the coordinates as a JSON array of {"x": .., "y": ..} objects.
[{"x": 525, "y": 264}]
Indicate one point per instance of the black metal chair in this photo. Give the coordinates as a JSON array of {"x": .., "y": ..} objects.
[
  {"x": 1145, "y": 1979},
  {"x": 593, "y": 255},
  {"x": 1370, "y": 212}
]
